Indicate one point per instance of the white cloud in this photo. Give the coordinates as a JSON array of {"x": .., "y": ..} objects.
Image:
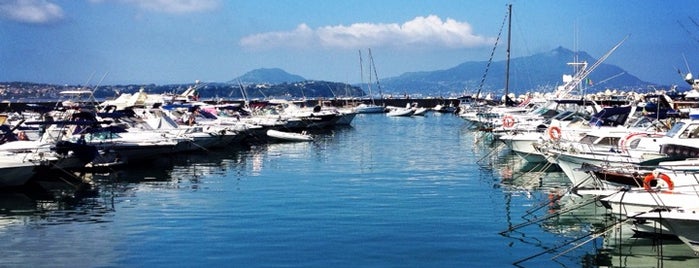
[
  {"x": 170, "y": 6},
  {"x": 30, "y": 11},
  {"x": 428, "y": 31}
]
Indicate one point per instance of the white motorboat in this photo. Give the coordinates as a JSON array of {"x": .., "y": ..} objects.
[
  {"x": 16, "y": 169},
  {"x": 398, "y": 111},
  {"x": 634, "y": 202},
  {"x": 369, "y": 108},
  {"x": 420, "y": 111},
  {"x": 288, "y": 136}
]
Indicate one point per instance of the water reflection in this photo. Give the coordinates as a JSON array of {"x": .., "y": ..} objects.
[
  {"x": 582, "y": 223},
  {"x": 54, "y": 198},
  {"x": 89, "y": 196},
  {"x": 621, "y": 248}
]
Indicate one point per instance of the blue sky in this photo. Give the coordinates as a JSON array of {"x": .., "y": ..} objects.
[{"x": 180, "y": 41}]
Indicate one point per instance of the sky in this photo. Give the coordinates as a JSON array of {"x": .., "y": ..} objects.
[{"x": 110, "y": 42}]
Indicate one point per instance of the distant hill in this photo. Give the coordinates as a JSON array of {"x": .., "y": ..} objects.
[
  {"x": 267, "y": 76},
  {"x": 538, "y": 72}
]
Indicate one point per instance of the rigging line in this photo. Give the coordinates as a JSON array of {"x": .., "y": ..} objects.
[
  {"x": 492, "y": 54},
  {"x": 373, "y": 66},
  {"x": 92, "y": 94},
  {"x": 561, "y": 246},
  {"x": 553, "y": 215},
  {"x": 693, "y": 21},
  {"x": 593, "y": 236},
  {"x": 543, "y": 205}
]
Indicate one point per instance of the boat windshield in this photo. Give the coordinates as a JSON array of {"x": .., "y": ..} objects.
[
  {"x": 643, "y": 122},
  {"x": 563, "y": 115},
  {"x": 675, "y": 129},
  {"x": 571, "y": 116},
  {"x": 101, "y": 136}
]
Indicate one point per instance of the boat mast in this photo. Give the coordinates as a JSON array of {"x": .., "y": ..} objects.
[
  {"x": 361, "y": 74},
  {"x": 507, "y": 66}
]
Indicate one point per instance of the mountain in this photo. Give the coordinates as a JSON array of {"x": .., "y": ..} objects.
[
  {"x": 267, "y": 76},
  {"x": 539, "y": 72}
]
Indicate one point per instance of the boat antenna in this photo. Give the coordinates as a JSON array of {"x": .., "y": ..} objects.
[
  {"x": 686, "y": 63},
  {"x": 327, "y": 84},
  {"x": 92, "y": 94},
  {"x": 245, "y": 95}
]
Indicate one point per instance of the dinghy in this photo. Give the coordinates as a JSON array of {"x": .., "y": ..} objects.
[{"x": 288, "y": 136}]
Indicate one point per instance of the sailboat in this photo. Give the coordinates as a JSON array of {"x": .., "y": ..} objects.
[{"x": 371, "y": 107}]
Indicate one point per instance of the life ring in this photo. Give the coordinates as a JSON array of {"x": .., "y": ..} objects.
[
  {"x": 651, "y": 176},
  {"x": 554, "y": 133},
  {"x": 508, "y": 121}
]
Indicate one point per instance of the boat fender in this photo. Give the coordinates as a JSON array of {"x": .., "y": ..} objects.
[
  {"x": 508, "y": 121},
  {"x": 657, "y": 175},
  {"x": 554, "y": 133}
]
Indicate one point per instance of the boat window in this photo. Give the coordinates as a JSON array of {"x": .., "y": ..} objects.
[
  {"x": 539, "y": 111},
  {"x": 691, "y": 132},
  {"x": 562, "y": 115},
  {"x": 589, "y": 139},
  {"x": 643, "y": 122},
  {"x": 675, "y": 129},
  {"x": 633, "y": 144},
  {"x": 101, "y": 136},
  {"x": 549, "y": 113},
  {"x": 611, "y": 141}
]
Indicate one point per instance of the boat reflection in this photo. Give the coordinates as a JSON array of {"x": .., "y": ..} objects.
[
  {"x": 588, "y": 227},
  {"x": 88, "y": 196},
  {"x": 622, "y": 249},
  {"x": 189, "y": 167},
  {"x": 53, "y": 199}
]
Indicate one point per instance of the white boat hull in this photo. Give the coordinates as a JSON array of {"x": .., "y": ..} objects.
[{"x": 288, "y": 136}]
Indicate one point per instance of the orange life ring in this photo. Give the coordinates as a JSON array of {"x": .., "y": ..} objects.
[
  {"x": 554, "y": 133},
  {"x": 650, "y": 177},
  {"x": 508, "y": 121}
]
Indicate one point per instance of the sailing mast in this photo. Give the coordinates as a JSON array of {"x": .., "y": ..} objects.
[
  {"x": 361, "y": 74},
  {"x": 507, "y": 66}
]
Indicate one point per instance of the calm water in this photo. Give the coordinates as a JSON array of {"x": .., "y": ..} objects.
[{"x": 386, "y": 192}]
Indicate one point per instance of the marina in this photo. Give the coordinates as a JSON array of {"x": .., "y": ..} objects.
[
  {"x": 354, "y": 196},
  {"x": 457, "y": 156}
]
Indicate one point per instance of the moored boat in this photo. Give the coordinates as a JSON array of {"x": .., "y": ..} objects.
[{"x": 288, "y": 136}]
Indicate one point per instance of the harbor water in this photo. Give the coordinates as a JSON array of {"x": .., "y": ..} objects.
[{"x": 383, "y": 192}]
